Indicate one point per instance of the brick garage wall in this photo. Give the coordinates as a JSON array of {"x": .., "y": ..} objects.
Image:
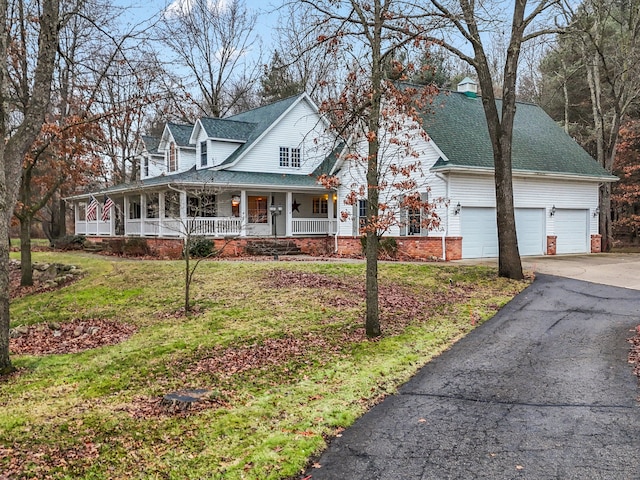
[
  {"x": 409, "y": 248},
  {"x": 551, "y": 244},
  {"x": 429, "y": 248}
]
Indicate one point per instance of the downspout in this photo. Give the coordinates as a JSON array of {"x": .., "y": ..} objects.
[
  {"x": 446, "y": 223},
  {"x": 335, "y": 236}
]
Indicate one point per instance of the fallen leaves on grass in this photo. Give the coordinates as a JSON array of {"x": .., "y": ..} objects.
[
  {"x": 270, "y": 352},
  {"x": 399, "y": 305},
  {"x": 70, "y": 337},
  {"x": 42, "y": 458}
]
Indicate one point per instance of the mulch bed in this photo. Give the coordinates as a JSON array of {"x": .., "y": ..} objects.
[{"x": 71, "y": 337}]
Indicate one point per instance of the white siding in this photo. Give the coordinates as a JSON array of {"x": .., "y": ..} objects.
[
  {"x": 299, "y": 128},
  {"x": 352, "y": 176},
  {"x": 217, "y": 151},
  {"x": 540, "y": 192}
]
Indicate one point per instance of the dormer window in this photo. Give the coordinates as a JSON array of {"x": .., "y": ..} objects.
[
  {"x": 203, "y": 154},
  {"x": 173, "y": 158},
  {"x": 290, "y": 157}
]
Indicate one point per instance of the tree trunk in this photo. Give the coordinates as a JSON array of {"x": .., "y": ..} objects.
[
  {"x": 187, "y": 275},
  {"x": 13, "y": 150},
  {"x": 5, "y": 362},
  {"x": 26, "y": 277}
]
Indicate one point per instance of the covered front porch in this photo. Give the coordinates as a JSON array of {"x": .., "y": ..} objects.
[{"x": 215, "y": 213}]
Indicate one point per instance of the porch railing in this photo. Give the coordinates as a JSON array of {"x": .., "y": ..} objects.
[
  {"x": 313, "y": 226},
  {"x": 93, "y": 227},
  {"x": 170, "y": 227}
]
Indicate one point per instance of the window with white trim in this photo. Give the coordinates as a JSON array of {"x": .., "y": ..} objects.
[
  {"x": 284, "y": 156},
  {"x": 290, "y": 157},
  {"x": 321, "y": 204},
  {"x": 295, "y": 157},
  {"x": 203, "y": 154},
  {"x": 172, "y": 164}
]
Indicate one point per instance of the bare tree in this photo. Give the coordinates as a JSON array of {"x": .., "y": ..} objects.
[
  {"x": 20, "y": 130},
  {"x": 373, "y": 112},
  {"x": 468, "y": 21},
  {"x": 610, "y": 34},
  {"x": 215, "y": 42}
]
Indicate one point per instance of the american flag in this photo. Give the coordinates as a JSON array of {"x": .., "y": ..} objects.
[
  {"x": 92, "y": 209},
  {"x": 106, "y": 208}
]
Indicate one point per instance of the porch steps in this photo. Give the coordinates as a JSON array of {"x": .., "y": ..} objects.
[
  {"x": 272, "y": 247},
  {"x": 93, "y": 247}
]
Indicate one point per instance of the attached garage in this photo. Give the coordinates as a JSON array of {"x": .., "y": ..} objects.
[
  {"x": 571, "y": 229},
  {"x": 480, "y": 232},
  {"x": 531, "y": 231}
]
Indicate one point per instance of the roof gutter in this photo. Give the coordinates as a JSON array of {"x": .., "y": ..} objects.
[{"x": 526, "y": 173}]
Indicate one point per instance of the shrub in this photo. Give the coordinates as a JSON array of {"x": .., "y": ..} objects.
[
  {"x": 136, "y": 247},
  {"x": 387, "y": 246},
  {"x": 69, "y": 242},
  {"x": 201, "y": 247}
]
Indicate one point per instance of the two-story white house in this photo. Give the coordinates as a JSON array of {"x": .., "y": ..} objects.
[{"x": 255, "y": 175}]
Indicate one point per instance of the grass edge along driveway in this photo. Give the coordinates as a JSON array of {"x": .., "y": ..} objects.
[{"x": 279, "y": 345}]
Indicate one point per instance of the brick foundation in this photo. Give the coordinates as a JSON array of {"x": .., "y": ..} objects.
[
  {"x": 551, "y": 244},
  {"x": 596, "y": 243},
  {"x": 409, "y": 248}
]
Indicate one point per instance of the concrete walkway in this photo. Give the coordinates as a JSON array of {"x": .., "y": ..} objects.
[{"x": 541, "y": 391}]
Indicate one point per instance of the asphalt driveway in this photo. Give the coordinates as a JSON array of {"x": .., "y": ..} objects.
[{"x": 541, "y": 391}]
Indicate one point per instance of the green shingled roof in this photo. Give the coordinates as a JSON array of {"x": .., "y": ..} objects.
[
  {"x": 458, "y": 127},
  {"x": 151, "y": 144},
  {"x": 181, "y": 133},
  {"x": 225, "y": 178},
  {"x": 227, "y": 128},
  {"x": 263, "y": 118}
]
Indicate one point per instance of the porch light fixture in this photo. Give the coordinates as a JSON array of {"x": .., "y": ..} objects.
[
  {"x": 596, "y": 212},
  {"x": 456, "y": 211},
  {"x": 552, "y": 212},
  {"x": 235, "y": 200}
]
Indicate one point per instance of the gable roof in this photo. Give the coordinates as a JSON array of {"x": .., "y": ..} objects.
[
  {"x": 458, "y": 126},
  {"x": 227, "y": 129},
  {"x": 263, "y": 118},
  {"x": 151, "y": 144},
  {"x": 180, "y": 133}
]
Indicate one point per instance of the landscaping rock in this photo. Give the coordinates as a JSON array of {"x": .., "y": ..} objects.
[
  {"x": 184, "y": 399},
  {"x": 79, "y": 330},
  {"x": 93, "y": 330},
  {"x": 18, "y": 331},
  {"x": 54, "y": 325}
]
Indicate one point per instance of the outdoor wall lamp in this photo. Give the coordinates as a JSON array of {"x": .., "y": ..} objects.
[
  {"x": 552, "y": 212},
  {"x": 275, "y": 210},
  {"x": 456, "y": 211},
  {"x": 596, "y": 212},
  {"x": 235, "y": 200}
]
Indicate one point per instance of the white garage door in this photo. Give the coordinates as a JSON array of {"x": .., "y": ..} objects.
[
  {"x": 571, "y": 230},
  {"x": 479, "y": 232},
  {"x": 530, "y": 228}
]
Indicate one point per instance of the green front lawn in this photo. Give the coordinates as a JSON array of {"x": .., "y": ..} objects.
[{"x": 280, "y": 345}]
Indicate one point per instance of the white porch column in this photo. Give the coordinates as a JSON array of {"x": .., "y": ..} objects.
[
  {"x": 125, "y": 215},
  {"x": 143, "y": 213},
  {"x": 161, "y": 211},
  {"x": 288, "y": 215},
  {"x": 183, "y": 212},
  {"x": 330, "y": 211},
  {"x": 244, "y": 213}
]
